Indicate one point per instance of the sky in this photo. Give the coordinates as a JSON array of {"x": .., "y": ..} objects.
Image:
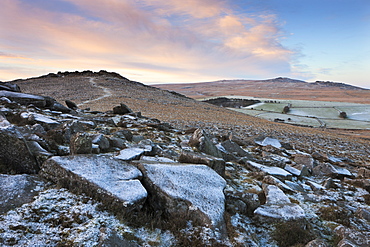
[{"x": 173, "y": 41}]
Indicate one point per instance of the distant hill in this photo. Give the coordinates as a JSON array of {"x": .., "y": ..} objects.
[{"x": 276, "y": 88}]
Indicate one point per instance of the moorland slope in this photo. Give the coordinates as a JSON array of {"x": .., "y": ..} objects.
[
  {"x": 103, "y": 90},
  {"x": 277, "y": 88}
]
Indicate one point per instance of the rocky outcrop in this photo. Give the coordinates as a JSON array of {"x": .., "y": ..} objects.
[{"x": 113, "y": 182}]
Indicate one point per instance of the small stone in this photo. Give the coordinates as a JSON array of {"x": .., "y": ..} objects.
[
  {"x": 278, "y": 207},
  {"x": 203, "y": 143},
  {"x": 122, "y": 109},
  {"x": 268, "y": 141},
  {"x": 216, "y": 164},
  {"x": 274, "y": 171},
  {"x": 130, "y": 154},
  {"x": 81, "y": 143},
  {"x": 317, "y": 243},
  {"x": 363, "y": 173},
  {"x": 71, "y": 105},
  {"x": 304, "y": 159},
  {"x": 101, "y": 141}
]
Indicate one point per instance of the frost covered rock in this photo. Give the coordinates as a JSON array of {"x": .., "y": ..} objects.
[
  {"x": 16, "y": 190},
  {"x": 274, "y": 181},
  {"x": 268, "y": 141},
  {"x": 215, "y": 163},
  {"x": 102, "y": 141},
  {"x": 317, "y": 243},
  {"x": 188, "y": 192},
  {"x": 278, "y": 206},
  {"x": 351, "y": 237},
  {"x": 203, "y": 143},
  {"x": 327, "y": 169},
  {"x": 15, "y": 155},
  {"x": 130, "y": 154},
  {"x": 297, "y": 171},
  {"x": 115, "y": 183},
  {"x": 45, "y": 121},
  {"x": 271, "y": 170},
  {"x": 24, "y": 99}
]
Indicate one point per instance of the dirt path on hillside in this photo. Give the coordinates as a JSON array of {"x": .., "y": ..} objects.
[{"x": 107, "y": 92}]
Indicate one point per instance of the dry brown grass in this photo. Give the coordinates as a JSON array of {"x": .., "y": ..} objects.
[
  {"x": 271, "y": 89},
  {"x": 185, "y": 112}
]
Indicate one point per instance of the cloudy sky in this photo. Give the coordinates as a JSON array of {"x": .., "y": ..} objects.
[{"x": 163, "y": 41}]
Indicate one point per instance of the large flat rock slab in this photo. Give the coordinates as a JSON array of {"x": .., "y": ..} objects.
[
  {"x": 190, "y": 192},
  {"x": 16, "y": 190},
  {"x": 115, "y": 183}
]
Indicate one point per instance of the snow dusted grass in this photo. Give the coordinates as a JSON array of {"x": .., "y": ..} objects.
[
  {"x": 60, "y": 218},
  {"x": 312, "y": 113}
]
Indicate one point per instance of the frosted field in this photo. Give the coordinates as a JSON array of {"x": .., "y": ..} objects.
[{"x": 310, "y": 113}]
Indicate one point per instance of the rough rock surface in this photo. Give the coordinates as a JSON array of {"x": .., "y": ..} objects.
[
  {"x": 16, "y": 190},
  {"x": 278, "y": 206},
  {"x": 81, "y": 143},
  {"x": 268, "y": 141},
  {"x": 187, "y": 191},
  {"x": 121, "y": 109},
  {"x": 216, "y": 164},
  {"x": 7, "y": 86},
  {"x": 113, "y": 182},
  {"x": 15, "y": 155},
  {"x": 275, "y": 171},
  {"x": 23, "y": 98},
  {"x": 203, "y": 143},
  {"x": 352, "y": 237}
]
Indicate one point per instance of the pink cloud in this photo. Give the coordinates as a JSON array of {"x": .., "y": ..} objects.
[{"x": 146, "y": 37}]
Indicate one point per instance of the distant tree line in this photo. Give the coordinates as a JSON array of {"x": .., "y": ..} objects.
[{"x": 232, "y": 103}]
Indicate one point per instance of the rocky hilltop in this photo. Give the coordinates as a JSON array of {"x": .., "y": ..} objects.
[{"x": 160, "y": 169}]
